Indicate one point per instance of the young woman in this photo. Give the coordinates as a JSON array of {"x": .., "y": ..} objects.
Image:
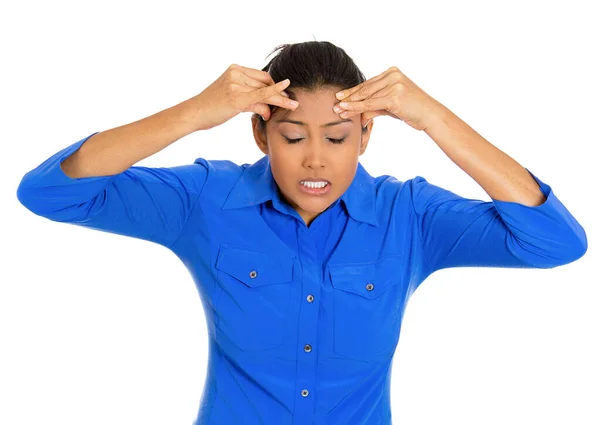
[{"x": 303, "y": 260}]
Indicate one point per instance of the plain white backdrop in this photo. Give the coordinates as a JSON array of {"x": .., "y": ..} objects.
[{"x": 97, "y": 328}]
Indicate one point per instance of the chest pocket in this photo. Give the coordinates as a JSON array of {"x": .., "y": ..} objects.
[
  {"x": 252, "y": 305},
  {"x": 368, "y": 302}
]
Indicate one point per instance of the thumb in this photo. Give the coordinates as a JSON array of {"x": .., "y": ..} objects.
[
  {"x": 263, "y": 110},
  {"x": 366, "y": 117}
]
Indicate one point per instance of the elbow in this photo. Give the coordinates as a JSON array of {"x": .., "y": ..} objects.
[
  {"x": 38, "y": 198},
  {"x": 570, "y": 250},
  {"x": 24, "y": 193},
  {"x": 552, "y": 252},
  {"x": 578, "y": 248}
]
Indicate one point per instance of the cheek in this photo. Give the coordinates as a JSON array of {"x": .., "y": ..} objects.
[
  {"x": 347, "y": 174},
  {"x": 283, "y": 176},
  {"x": 280, "y": 156}
]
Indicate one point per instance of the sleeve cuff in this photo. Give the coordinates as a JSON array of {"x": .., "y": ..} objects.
[
  {"x": 50, "y": 170},
  {"x": 545, "y": 188},
  {"x": 47, "y": 184},
  {"x": 548, "y": 226}
]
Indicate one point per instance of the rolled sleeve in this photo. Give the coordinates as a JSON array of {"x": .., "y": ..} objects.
[
  {"x": 462, "y": 232},
  {"x": 141, "y": 202},
  {"x": 546, "y": 235}
]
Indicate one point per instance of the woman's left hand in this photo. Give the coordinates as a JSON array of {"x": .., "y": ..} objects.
[{"x": 390, "y": 93}]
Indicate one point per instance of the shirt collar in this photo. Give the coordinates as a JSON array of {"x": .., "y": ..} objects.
[{"x": 257, "y": 185}]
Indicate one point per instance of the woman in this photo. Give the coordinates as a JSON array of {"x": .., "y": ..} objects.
[{"x": 304, "y": 261}]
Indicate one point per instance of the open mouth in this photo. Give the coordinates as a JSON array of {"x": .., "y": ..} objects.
[{"x": 315, "y": 188}]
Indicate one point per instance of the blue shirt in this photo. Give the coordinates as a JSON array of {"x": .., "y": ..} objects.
[{"x": 303, "y": 321}]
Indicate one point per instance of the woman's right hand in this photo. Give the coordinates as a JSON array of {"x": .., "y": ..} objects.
[{"x": 239, "y": 89}]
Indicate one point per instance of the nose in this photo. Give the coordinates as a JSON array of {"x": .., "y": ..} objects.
[{"x": 313, "y": 156}]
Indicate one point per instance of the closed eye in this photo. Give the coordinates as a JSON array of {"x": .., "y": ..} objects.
[{"x": 292, "y": 141}]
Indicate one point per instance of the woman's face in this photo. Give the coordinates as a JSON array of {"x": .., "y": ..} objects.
[{"x": 315, "y": 155}]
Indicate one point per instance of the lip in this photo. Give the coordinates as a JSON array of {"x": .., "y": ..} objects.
[
  {"x": 311, "y": 179},
  {"x": 315, "y": 191}
]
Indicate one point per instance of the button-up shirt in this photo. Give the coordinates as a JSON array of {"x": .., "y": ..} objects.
[{"x": 303, "y": 321}]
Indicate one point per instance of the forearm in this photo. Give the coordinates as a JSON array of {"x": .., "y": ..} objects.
[
  {"x": 502, "y": 177},
  {"x": 115, "y": 150}
]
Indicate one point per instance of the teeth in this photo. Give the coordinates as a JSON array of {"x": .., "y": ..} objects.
[{"x": 315, "y": 185}]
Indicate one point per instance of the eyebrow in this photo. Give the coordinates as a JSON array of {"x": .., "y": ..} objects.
[{"x": 329, "y": 124}]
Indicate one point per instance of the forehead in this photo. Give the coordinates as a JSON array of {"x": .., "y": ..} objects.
[
  {"x": 315, "y": 108},
  {"x": 331, "y": 124}
]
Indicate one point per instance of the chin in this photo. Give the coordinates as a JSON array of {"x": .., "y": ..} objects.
[
  {"x": 311, "y": 204},
  {"x": 317, "y": 205}
]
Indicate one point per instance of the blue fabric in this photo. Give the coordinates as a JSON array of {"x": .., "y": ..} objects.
[{"x": 292, "y": 308}]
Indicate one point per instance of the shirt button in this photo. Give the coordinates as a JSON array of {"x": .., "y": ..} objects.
[
  {"x": 253, "y": 274},
  {"x": 370, "y": 286},
  {"x": 310, "y": 298},
  {"x": 308, "y": 348},
  {"x": 304, "y": 393}
]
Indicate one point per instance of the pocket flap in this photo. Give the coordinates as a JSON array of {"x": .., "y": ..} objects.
[
  {"x": 356, "y": 278},
  {"x": 255, "y": 268}
]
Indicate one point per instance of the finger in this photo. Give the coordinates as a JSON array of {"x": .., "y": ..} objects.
[
  {"x": 263, "y": 111},
  {"x": 373, "y": 90},
  {"x": 370, "y": 104},
  {"x": 256, "y": 74},
  {"x": 367, "y": 117},
  {"x": 364, "y": 122},
  {"x": 349, "y": 91},
  {"x": 272, "y": 95},
  {"x": 350, "y": 114},
  {"x": 251, "y": 84},
  {"x": 282, "y": 100},
  {"x": 265, "y": 92}
]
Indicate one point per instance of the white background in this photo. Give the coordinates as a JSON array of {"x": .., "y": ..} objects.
[{"x": 97, "y": 328}]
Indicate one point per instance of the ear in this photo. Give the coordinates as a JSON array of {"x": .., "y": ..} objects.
[
  {"x": 260, "y": 137},
  {"x": 365, "y": 136}
]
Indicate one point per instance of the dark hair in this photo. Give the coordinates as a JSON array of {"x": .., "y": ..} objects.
[{"x": 310, "y": 66}]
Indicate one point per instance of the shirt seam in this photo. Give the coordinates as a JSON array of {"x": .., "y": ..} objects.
[
  {"x": 417, "y": 215},
  {"x": 194, "y": 205},
  {"x": 216, "y": 383}
]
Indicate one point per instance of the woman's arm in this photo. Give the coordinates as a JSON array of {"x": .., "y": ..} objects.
[
  {"x": 525, "y": 224},
  {"x": 113, "y": 151},
  {"x": 93, "y": 182},
  {"x": 503, "y": 178}
]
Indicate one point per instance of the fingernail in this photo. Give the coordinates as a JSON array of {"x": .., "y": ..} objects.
[
  {"x": 339, "y": 94},
  {"x": 294, "y": 103}
]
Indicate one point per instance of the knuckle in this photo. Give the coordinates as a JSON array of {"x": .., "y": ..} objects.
[
  {"x": 399, "y": 88},
  {"x": 399, "y": 76},
  {"x": 230, "y": 76},
  {"x": 234, "y": 73},
  {"x": 231, "y": 92}
]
